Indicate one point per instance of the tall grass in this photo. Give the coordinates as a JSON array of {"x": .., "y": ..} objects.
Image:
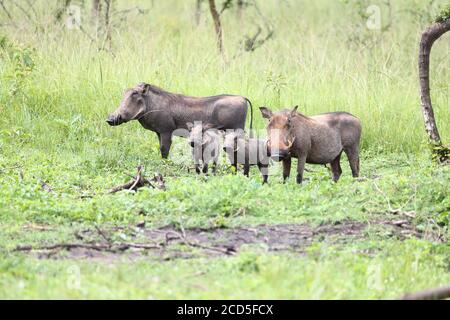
[{"x": 322, "y": 58}]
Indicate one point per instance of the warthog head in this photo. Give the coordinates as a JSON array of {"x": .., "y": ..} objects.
[
  {"x": 230, "y": 143},
  {"x": 197, "y": 133},
  {"x": 132, "y": 107},
  {"x": 279, "y": 139}
]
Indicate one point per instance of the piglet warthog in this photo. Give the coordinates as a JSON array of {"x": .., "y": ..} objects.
[
  {"x": 205, "y": 143},
  {"x": 164, "y": 112},
  {"x": 318, "y": 139},
  {"x": 247, "y": 151}
]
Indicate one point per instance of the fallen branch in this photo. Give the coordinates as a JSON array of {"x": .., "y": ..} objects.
[
  {"x": 140, "y": 181},
  {"x": 430, "y": 294},
  {"x": 182, "y": 237},
  {"x": 94, "y": 246}
]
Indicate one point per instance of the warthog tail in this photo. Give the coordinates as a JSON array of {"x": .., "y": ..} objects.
[{"x": 251, "y": 117}]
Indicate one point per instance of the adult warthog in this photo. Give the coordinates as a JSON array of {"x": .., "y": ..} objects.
[
  {"x": 164, "y": 112},
  {"x": 317, "y": 139}
]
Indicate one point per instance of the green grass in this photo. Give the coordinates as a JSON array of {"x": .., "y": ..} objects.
[
  {"x": 57, "y": 89},
  {"x": 328, "y": 273}
]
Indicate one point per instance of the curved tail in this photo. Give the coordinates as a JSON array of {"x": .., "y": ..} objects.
[{"x": 251, "y": 117}]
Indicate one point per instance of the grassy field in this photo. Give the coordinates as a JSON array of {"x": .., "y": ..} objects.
[{"x": 379, "y": 236}]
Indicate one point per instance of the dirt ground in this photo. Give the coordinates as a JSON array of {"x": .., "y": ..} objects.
[{"x": 168, "y": 242}]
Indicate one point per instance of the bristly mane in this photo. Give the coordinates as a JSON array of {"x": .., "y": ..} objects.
[
  {"x": 297, "y": 113},
  {"x": 160, "y": 92}
]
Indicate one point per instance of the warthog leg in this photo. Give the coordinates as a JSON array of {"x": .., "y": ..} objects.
[
  {"x": 336, "y": 168},
  {"x": 264, "y": 169},
  {"x": 246, "y": 169},
  {"x": 300, "y": 167},
  {"x": 353, "y": 158},
  {"x": 214, "y": 168},
  {"x": 165, "y": 141},
  {"x": 286, "y": 168}
]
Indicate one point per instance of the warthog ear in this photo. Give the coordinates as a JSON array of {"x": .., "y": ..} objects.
[
  {"x": 266, "y": 113},
  {"x": 293, "y": 112},
  {"x": 208, "y": 126},
  {"x": 189, "y": 125},
  {"x": 143, "y": 87}
]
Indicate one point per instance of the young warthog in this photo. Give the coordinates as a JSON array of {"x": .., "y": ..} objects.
[
  {"x": 318, "y": 139},
  {"x": 205, "y": 143},
  {"x": 167, "y": 113},
  {"x": 247, "y": 151}
]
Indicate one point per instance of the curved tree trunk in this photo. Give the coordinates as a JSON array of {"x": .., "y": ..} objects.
[
  {"x": 217, "y": 25},
  {"x": 429, "y": 36}
]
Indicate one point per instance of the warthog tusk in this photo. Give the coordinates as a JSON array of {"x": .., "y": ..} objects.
[
  {"x": 206, "y": 141},
  {"x": 290, "y": 143}
]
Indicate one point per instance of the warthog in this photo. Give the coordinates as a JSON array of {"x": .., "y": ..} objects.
[
  {"x": 247, "y": 151},
  {"x": 164, "y": 112},
  {"x": 318, "y": 139},
  {"x": 205, "y": 143}
]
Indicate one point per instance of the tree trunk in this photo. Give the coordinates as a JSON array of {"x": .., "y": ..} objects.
[
  {"x": 429, "y": 36},
  {"x": 198, "y": 11},
  {"x": 96, "y": 9},
  {"x": 108, "y": 9},
  {"x": 216, "y": 18},
  {"x": 240, "y": 9},
  {"x": 63, "y": 5}
]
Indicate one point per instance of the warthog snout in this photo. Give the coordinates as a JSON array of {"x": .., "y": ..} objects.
[
  {"x": 114, "y": 120},
  {"x": 279, "y": 155}
]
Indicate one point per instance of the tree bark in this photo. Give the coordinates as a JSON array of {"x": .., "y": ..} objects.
[
  {"x": 198, "y": 11},
  {"x": 240, "y": 9},
  {"x": 108, "y": 9},
  {"x": 96, "y": 9},
  {"x": 217, "y": 25},
  {"x": 60, "y": 11},
  {"x": 429, "y": 36}
]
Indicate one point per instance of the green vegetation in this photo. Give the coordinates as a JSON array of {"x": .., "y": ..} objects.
[{"x": 57, "y": 89}]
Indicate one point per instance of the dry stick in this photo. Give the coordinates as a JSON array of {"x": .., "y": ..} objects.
[
  {"x": 131, "y": 185},
  {"x": 139, "y": 181},
  {"x": 138, "y": 178},
  {"x": 197, "y": 245},
  {"x": 103, "y": 234},
  {"x": 7, "y": 13},
  {"x": 98, "y": 246},
  {"x": 24, "y": 12},
  {"x": 430, "y": 294},
  {"x": 64, "y": 246}
]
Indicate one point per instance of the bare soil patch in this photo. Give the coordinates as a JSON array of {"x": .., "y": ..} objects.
[{"x": 168, "y": 242}]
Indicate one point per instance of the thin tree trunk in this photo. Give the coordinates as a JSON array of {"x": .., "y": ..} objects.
[
  {"x": 96, "y": 10},
  {"x": 198, "y": 12},
  {"x": 108, "y": 23},
  {"x": 63, "y": 5},
  {"x": 217, "y": 25},
  {"x": 240, "y": 7},
  {"x": 429, "y": 36}
]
